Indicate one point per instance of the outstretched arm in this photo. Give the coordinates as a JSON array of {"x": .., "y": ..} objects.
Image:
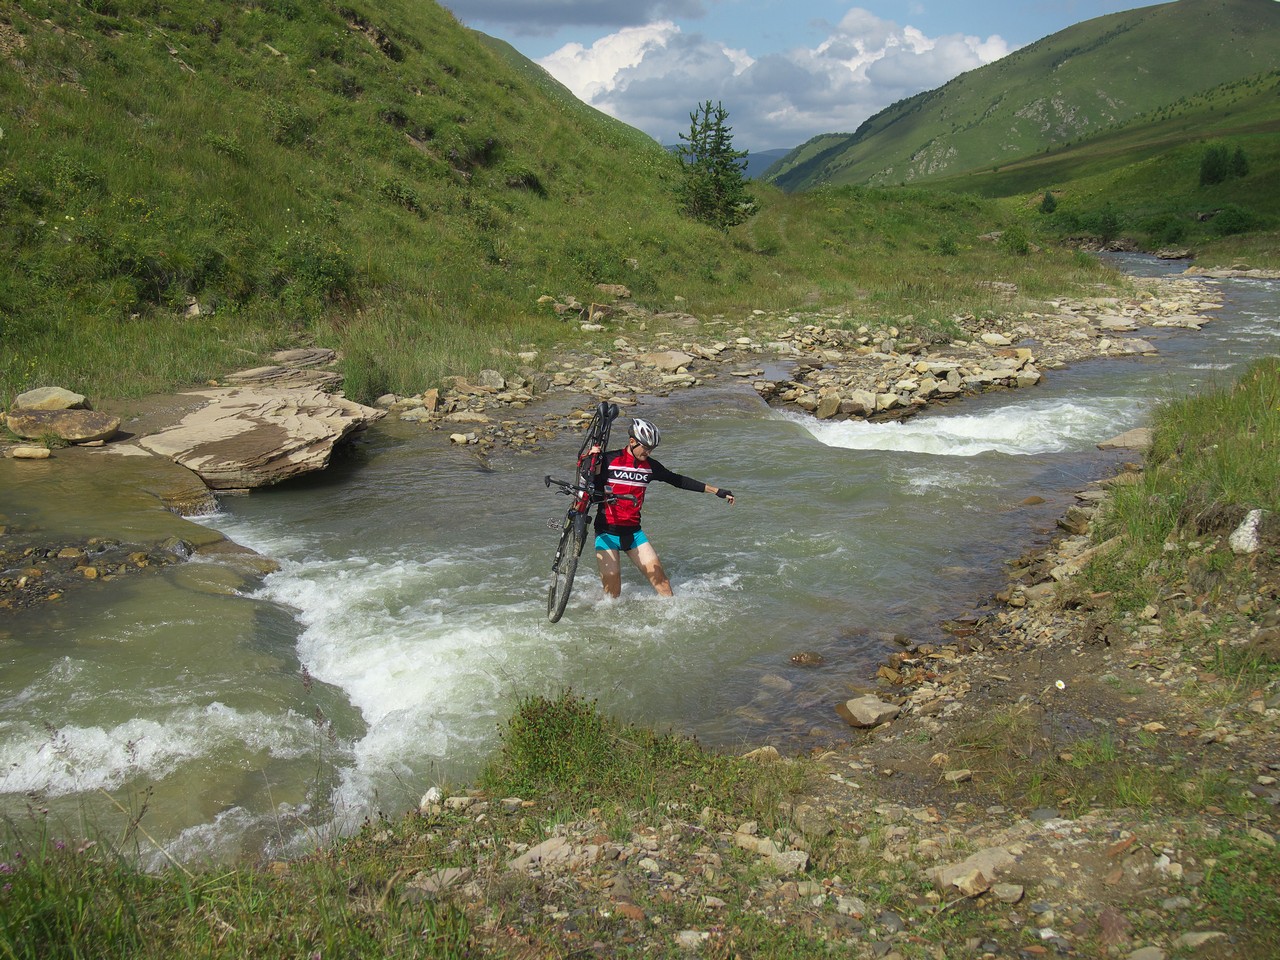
[{"x": 687, "y": 483}]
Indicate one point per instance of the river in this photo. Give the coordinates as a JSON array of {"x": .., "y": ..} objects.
[{"x": 408, "y": 614}]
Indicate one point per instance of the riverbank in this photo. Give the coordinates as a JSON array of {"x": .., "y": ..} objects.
[{"x": 975, "y": 761}]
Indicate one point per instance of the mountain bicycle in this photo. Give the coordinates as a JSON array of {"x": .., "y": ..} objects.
[{"x": 586, "y": 490}]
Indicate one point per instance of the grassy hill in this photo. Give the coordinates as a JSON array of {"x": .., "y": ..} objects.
[
  {"x": 186, "y": 186},
  {"x": 342, "y": 172},
  {"x": 1076, "y": 84},
  {"x": 1142, "y": 181}
]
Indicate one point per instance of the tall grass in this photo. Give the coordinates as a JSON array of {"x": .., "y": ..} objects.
[
  {"x": 77, "y": 898},
  {"x": 1214, "y": 457}
]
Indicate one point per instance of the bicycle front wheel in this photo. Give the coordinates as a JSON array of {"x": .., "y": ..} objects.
[{"x": 564, "y": 567}]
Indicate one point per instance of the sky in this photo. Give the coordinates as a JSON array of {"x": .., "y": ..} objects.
[{"x": 785, "y": 70}]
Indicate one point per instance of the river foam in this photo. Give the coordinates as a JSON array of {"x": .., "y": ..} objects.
[{"x": 1019, "y": 428}]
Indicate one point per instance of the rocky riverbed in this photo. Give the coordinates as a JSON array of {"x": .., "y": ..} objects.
[{"x": 834, "y": 368}]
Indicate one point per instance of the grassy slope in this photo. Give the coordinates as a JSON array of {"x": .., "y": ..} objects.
[
  {"x": 1147, "y": 175},
  {"x": 304, "y": 171},
  {"x": 374, "y": 178},
  {"x": 1074, "y": 84},
  {"x": 1244, "y": 108}
]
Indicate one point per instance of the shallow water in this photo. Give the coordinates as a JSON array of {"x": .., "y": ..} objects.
[{"x": 408, "y": 616}]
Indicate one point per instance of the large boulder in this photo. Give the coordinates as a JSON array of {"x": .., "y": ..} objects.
[
  {"x": 73, "y": 426},
  {"x": 255, "y": 437}
]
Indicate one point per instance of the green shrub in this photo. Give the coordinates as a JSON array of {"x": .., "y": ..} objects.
[
  {"x": 1014, "y": 240},
  {"x": 1165, "y": 228},
  {"x": 1218, "y": 164},
  {"x": 1232, "y": 219},
  {"x": 565, "y": 744},
  {"x": 314, "y": 266}
]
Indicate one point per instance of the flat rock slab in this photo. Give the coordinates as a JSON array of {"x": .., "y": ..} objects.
[
  {"x": 74, "y": 426},
  {"x": 1139, "y": 438},
  {"x": 255, "y": 437},
  {"x": 288, "y": 377}
]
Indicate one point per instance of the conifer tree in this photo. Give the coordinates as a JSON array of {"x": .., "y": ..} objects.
[
  {"x": 1239, "y": 163},
  {"x": 714, "y": 189},
  {"x": 1215, "y": 165}
]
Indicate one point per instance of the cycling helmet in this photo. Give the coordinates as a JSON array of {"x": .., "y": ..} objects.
[{"x": 645, "y": 432}]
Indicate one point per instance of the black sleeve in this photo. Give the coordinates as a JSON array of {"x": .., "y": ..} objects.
[{"x": 675, "y": 479}]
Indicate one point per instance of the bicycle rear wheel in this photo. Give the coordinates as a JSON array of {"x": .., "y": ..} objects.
[{"x": 565, "y": 566}]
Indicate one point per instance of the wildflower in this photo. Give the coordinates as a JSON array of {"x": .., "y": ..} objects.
[{"x": 1060, "y": 685}]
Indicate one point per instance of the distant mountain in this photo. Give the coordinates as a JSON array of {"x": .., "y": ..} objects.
[
  {"x": 760, "y": 163},
  {"x": 757, "y": 164},
  {"x": 1077, "y": 83}
]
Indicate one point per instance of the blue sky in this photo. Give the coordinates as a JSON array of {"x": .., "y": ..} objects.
[{"x": 786, "y": 70}]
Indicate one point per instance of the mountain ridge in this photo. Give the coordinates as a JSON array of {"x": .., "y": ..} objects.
[{"x": 1071, "y": 85}]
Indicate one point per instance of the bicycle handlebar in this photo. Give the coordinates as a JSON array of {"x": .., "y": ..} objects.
[{"x": 569, "y": 489}]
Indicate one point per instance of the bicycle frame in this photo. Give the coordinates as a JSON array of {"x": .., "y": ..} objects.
[{"x": 585, "y": 494}]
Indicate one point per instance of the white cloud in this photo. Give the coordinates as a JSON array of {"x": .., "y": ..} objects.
[{"x": 652, "y": 76}]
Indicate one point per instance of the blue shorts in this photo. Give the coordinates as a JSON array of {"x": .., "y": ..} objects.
[{"x": 621, "y": 541}]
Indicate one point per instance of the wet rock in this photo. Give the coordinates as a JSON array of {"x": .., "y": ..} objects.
[
  {"x": 807, "y": 658},
  {"x": 867, "y": 711},
  {"x": 30, "y": 453}
]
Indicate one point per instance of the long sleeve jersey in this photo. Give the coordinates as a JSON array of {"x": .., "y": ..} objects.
[{"x": 623, "y": 474}]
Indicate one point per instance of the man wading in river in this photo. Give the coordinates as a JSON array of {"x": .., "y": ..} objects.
[{"x": 629, "y": 472}]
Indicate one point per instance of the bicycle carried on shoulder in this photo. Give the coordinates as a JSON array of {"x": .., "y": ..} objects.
[{"x": 586, "y": 490}]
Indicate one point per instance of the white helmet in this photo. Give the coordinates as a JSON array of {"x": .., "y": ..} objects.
[{"x": 645, "y": 432}]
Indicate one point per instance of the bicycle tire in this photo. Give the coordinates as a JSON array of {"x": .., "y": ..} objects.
[{"x": 565, "y": 566}]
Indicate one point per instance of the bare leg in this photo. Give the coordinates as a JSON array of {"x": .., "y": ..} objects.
[
  {"x": 610, "y": 571},
  {"x": 646, "y": 558}
]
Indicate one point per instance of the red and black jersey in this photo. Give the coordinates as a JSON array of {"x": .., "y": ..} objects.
[{"x": 623, "y": 474}]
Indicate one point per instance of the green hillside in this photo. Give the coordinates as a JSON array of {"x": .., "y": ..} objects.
[
  {"x": 340, "y": 172},
  {"x": 1142, "y": 183},
  {"x": 1073, "y": 85},
  {"x": 186, "y": 186}
]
